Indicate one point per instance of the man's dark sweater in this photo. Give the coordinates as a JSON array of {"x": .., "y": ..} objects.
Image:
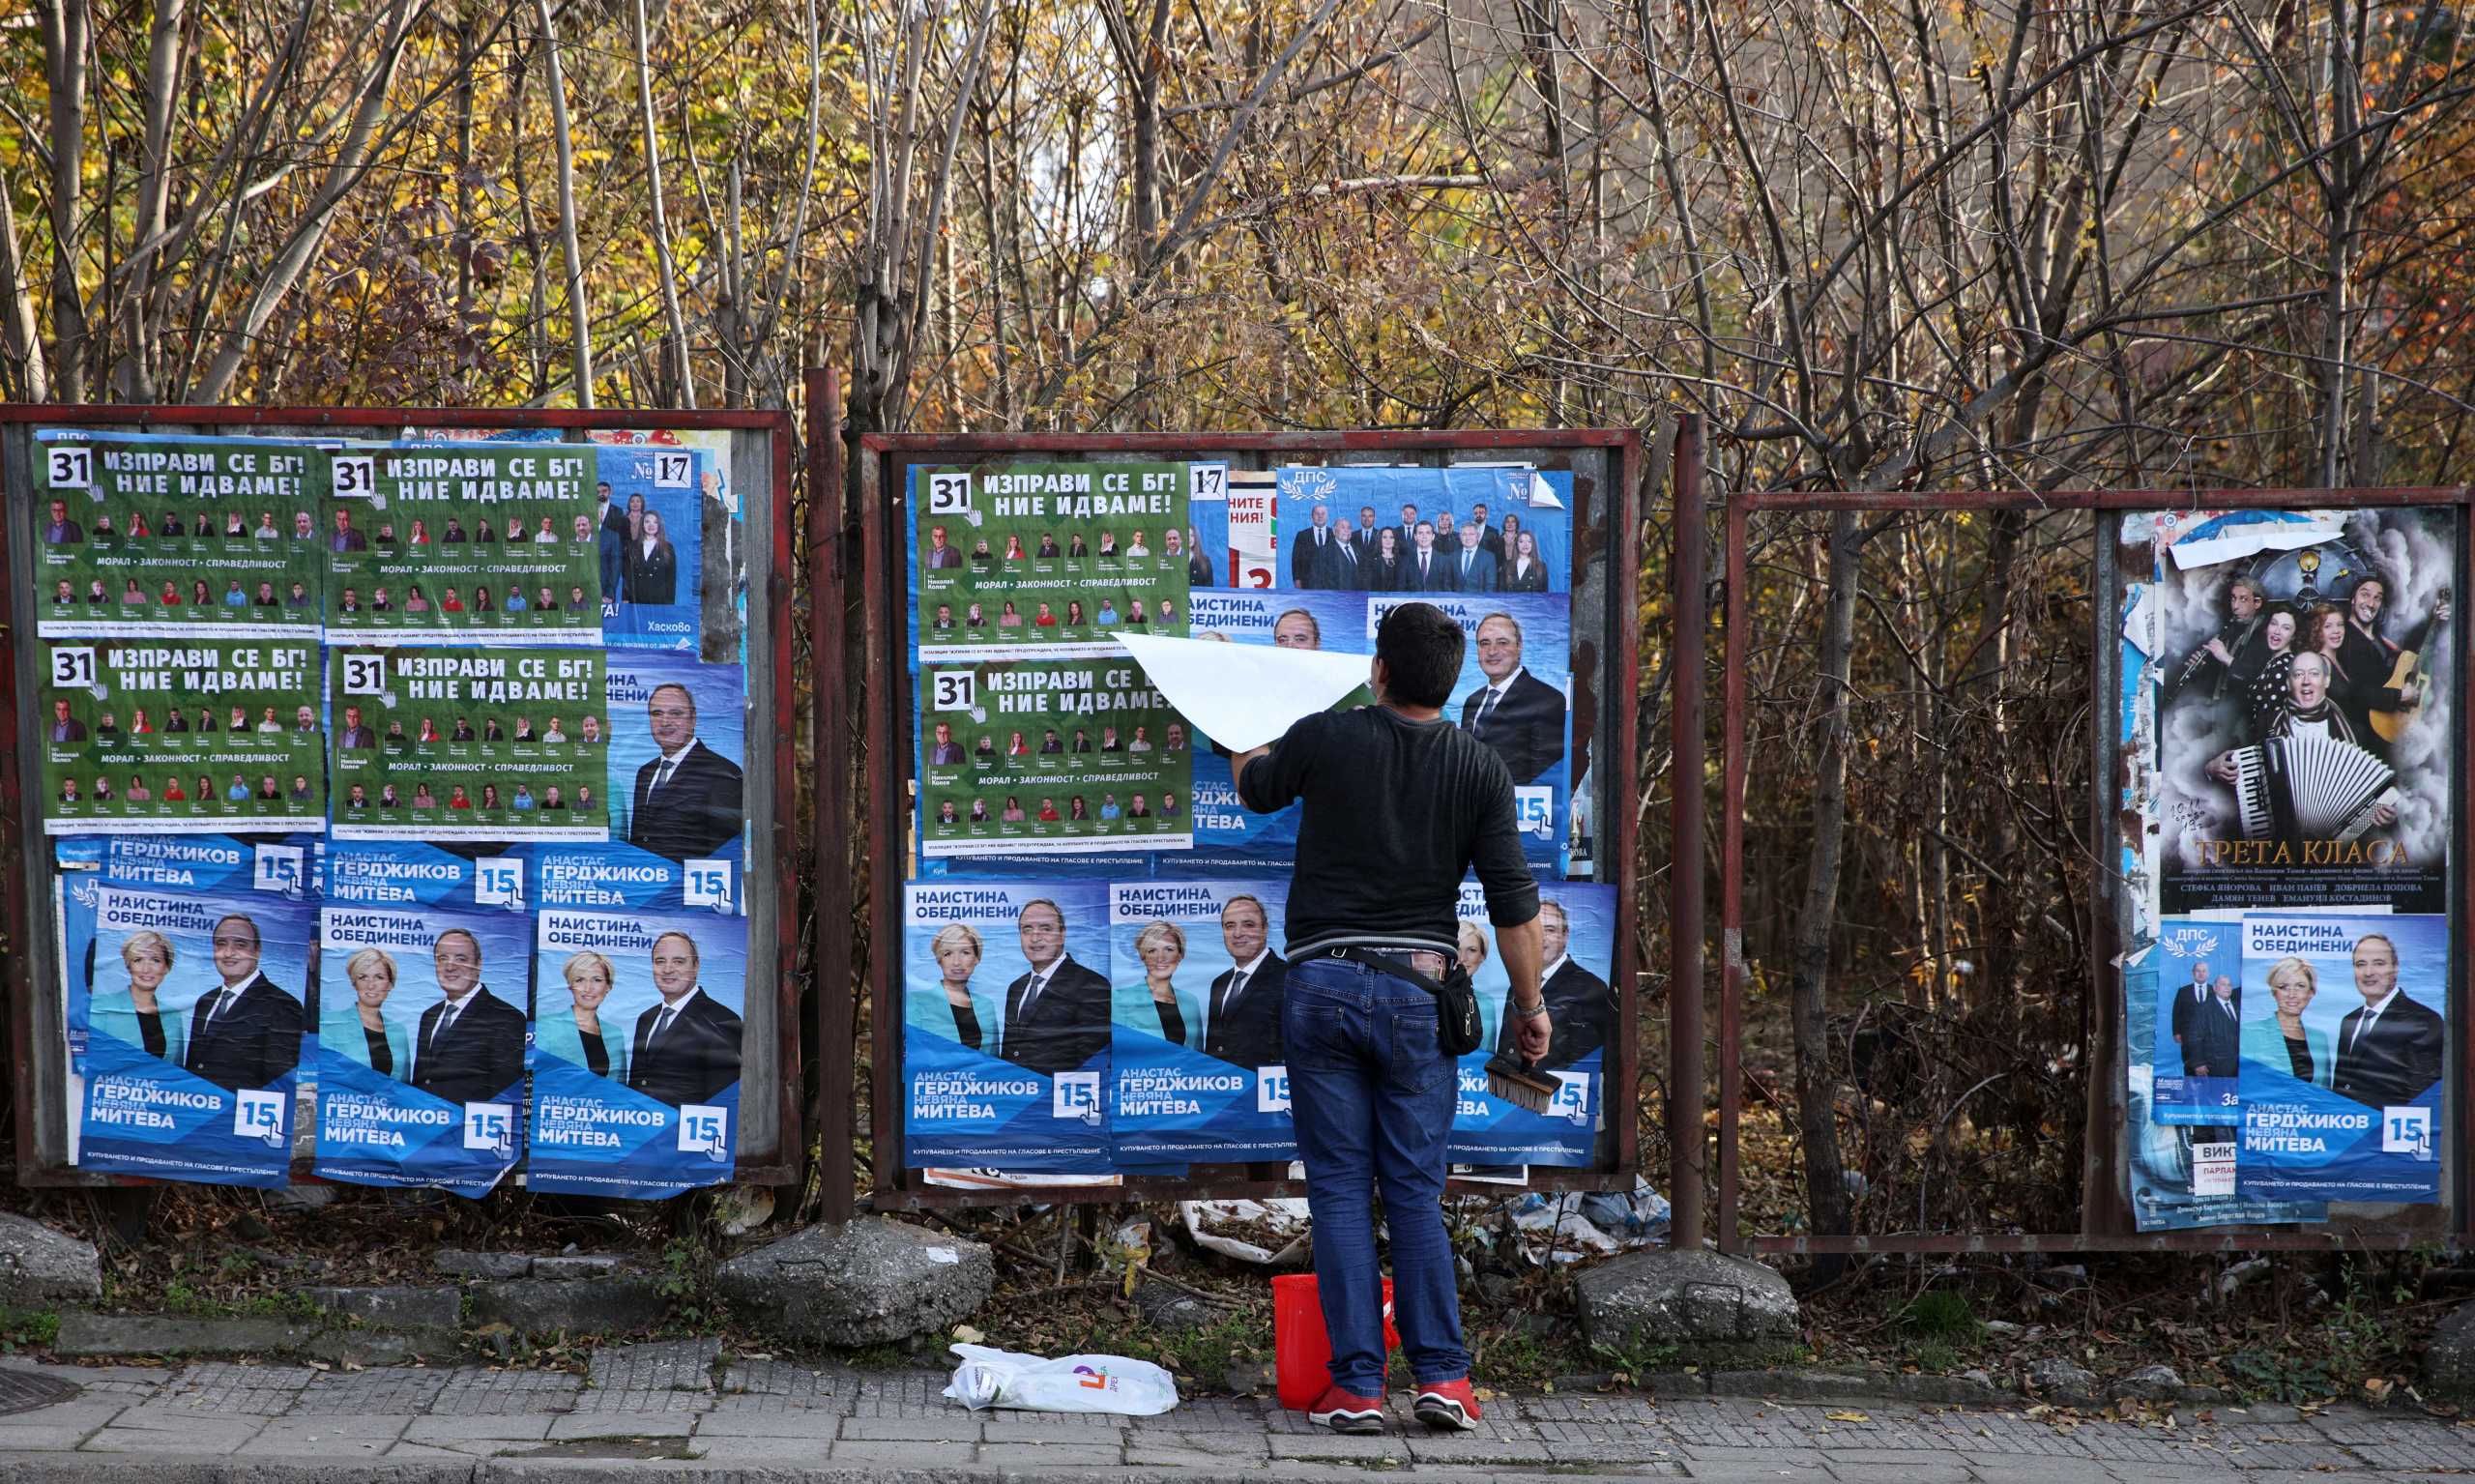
[{"x": 1395, "y": 811}]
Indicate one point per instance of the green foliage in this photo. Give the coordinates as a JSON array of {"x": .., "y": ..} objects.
[
  {"x": 1206, "y": 1352},
  {"x": 1940, "y": 1314},
  {"x": 23, "y": 1328}
]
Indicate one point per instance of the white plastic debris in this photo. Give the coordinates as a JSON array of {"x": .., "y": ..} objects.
[
  {"x": 1215, "y": 1226},
  {"x": 1115, "y": 1383}
]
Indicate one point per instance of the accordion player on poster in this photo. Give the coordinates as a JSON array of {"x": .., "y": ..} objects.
[{"x": 2309, "y": 776}]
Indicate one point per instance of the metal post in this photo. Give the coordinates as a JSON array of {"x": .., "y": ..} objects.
[
  {"x": 1735, "y": 649},
  {"x": 837, "y": 1034},
  {"x": 1688, "y": 572}
]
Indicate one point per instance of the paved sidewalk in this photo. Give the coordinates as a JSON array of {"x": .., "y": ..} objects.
[{"x": 678, "y": 1410}]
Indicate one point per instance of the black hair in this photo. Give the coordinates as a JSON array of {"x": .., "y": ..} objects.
[{"x": 1421, "y": 649}]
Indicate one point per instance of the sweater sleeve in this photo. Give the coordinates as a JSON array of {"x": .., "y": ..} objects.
[
  {"x": 1512, "y": 893},
  {"x": 1274, "y": 780}
]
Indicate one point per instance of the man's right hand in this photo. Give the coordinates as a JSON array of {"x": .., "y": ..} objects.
[{"x": 1533, "y": 1034}]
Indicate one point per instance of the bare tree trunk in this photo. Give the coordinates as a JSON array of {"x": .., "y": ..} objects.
[
  {"x": 66, "y": 25},
  {"x": 1816, "y": 1087},
  {"x": 685, "y": 381},
  {"x": 579, "y": 323},
  {"x": 28, "y": 372}
]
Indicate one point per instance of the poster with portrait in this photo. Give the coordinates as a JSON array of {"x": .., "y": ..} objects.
[
  {"x": 648, "y": 538},
  {"x": 461, "y": 743},
  {"x": 1006, "y": 1026},
  {"x": 447, "y": 543},
  {"x": 616, "y": 875},
  {"x": 2181, "y": 1177},
  {"x": 2200, "y": 1012},
  {"x": 191, "y": 1011},
  {"x": 1196, "y": 1070},
  {"x": 1515, "y": 695},
  {"x": 1577, "y": 924},
  {"x": 2344, "y": 1041},
  {"x": 142, "y": 535},
  {"x": 1486, "y": 528},
  {"x": 193, "y": 735},
  {"x": 421, "y": 1030},
  {"x": 638, "y": 1039},
  {"x": 722, "y": 507},
  {"x": 1050, "y": 757},
  {"x": 678, "y": 755},
  {"x": 1047, "y": 556},
  {"x": 2303, "y": 708}
]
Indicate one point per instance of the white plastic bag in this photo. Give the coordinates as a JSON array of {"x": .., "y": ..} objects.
[{"x": 999, "y": 1378}]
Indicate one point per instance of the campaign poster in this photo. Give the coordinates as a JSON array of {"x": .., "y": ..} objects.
[
  {"x": 617, "y": 875},
  {"x": 138, "y": 534},
  {"x": 2181, "y": 1177},
  {"x": 192, "y": 1007},
  {"x": 648, "y": 540},
  {"x": 1054, "y": 756},
  {"x": 1196, "y": 1070},
  {"x": 187, "y": 735},
  {"x": 2303, "y": 710},
  {"x": 1514, "y": 694},
  {"x": 1221, "y": 506},
  {"x": 1468, "y": 529},
  {"x": 1050, "y": 557},
  {"x": 722, "y": 533},
  {"x": 638, "y": 1036},
  {"x": 468, "y": 744},
  {"x": 2343, "y": 1040},
  {"x": 679, "y": 748},
  {"x": 2200, "y": 1007},
  {"x": 421, "y": 1030},
  {"x": 436, "y": 543},
  {"x": 1577, "y": 924},
  {"x": 1006, "y": 1026}
]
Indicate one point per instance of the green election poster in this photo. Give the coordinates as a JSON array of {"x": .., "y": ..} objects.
[
  {"x": 1057, "y": 557},
  {"x": 189, "y": 735},
  {"x": 138, "y": 534},
  {"x": 467, "y": 744},
  {"x": 448, "y": 543},
  {"x": 1058, "y": 757}
]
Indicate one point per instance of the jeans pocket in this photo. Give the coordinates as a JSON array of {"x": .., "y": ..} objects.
[{"x": 1417, "y": 1063}]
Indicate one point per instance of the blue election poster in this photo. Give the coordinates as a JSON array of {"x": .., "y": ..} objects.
[
  {"x": 192, "y": 1007},
  {"x": 2200, "y": 1012},
  {"x": 421, "y": 1030},
  {"x": 2344, "y": 1038},
  {"x": 2180, "y": 1177},
  {"x": 637, "y": 1041},
  {"x": 1515, "y": 543},
  {"x": 1196, "y": 1070},
  {"x": 678, "y": 748},
  {"x": 1514, "y": 693},
  {"x": 1577, "y": 924},
  {"x": 648, "y": 531},
  {"x": 606, "y": 876},
  {"x": 1005, "y": 1025}
]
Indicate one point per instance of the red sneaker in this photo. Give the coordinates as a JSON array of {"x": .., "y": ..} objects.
[
  {"x": 1343, "y": 1412},
  {"x": 1448, "y": 1405}
]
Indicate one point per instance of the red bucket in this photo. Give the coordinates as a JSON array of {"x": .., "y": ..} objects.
[{"x": 1301, "y": 1348}]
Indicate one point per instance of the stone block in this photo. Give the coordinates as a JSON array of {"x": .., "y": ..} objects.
[
  {"x": 2060, "y": 1382},
  {"x": 864, "y": 1283},
  {"x": 555, "y": 1306},
  {"x": 436, "y": 1306},
  {"x": 1685, "y": 1299},
  {"x": 2449, "y": 1355},
  {"x": 111, "y": 1336},
  {"x": 41, "y": 1267},
  {"x": 582, "y": 1265},
  {"x": 458, "y": 1264}
]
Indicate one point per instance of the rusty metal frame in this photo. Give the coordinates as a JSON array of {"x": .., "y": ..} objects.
[
  {"x": 883, "y": 456},
  {"x": 2106, "y": 1217},
  {"x": 787, "y": 1165}
]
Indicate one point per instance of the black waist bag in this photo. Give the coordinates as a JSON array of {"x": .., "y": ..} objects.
[{"x": 1457, "y": 1027}]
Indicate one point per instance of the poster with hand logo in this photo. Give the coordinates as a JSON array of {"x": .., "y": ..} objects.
[
  {"x": 1197, "y": 1072},
  {"x": 458, "y": 543},
  {"x": 465, "y": 743},
  {"x": 1515, "y": 695},
  {"x": 1055, "y": 757},
  {"x": 2200, "y": 1011},
  {"x": 1577, "y": 924}
]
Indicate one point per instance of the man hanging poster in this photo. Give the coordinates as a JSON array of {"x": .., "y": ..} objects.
[
  {"x": 444, "y": 543},
  {"x": 1050, "y": 757},
  {"x": 2303, "y": 710},
  {"x": 192, "y": 735},
  {"x": 191, "y": 1007},
  {"x": 1197, "y": 1072},
  {"x": 140, "y": 535},
  {"x": 1577, "y": 925},
  {"x": 1006, "y": 1026},
  {"x": 470, "y": 743},
  {"x": 1049, "y": 556},
  {"x": 420, "y": 1034},
  {"x": 638, "y": 1042}
]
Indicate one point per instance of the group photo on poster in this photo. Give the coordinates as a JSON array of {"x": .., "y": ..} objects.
[
  {"x": 2199, "y": 1016},
  {"x": 677, "y": 756},
  {"x": 138, "y": 534},
  {"x": 2304, "y": 710},
  {"x": 1051, "y": 756},
  {"x": 1047, "y": 556},
  {"x": 192, "y": 1010},
  {"x": 638, "y": 1043},
  {"x": 2343, "y": 1046},
  {"x": 447, "y": 543},
  {"x": 182, "y": 735},
  {"x": 469, "y": 743},
  {"x": 1196, "y": 1070},
  {"x": 1467, "y": 529},
  {"x": 722, "y": 521},
  {"x": 648, "y": 538},
  {"x": 1577, "y": 931},
  {"x": 420, "y": 1043},
  {"x": 1005, "y": 1025}
]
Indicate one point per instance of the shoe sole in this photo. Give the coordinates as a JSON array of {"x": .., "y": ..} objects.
[
  {"x": 1445, "y": 1416},
  {"x": 1355, "y": 1422}
]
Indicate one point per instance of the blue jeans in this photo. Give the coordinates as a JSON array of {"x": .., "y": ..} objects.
[{"x": 1373, "y": 1097}]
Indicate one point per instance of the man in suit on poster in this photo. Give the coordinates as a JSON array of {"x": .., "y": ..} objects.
[
  {"x": 1518, "y": 714},
  {"x": 689, "y": 801},
  {"x": 2189, "y": 1001},
  {"x": 942, "y": 557},
  {"x": 1473, "y": 570},
  {"x": 1310, "y": 566},
  {"x": 687, "y": 1047},
  {"x": 1580, "y": 1005},
  {"x": 2389, "y": 1048},
  {"x": 60, "y": 529},
  {"x": 1346, "y": 569},
  {"x": 469, "y": 1047},
  {"x": 2216, "y": 1041},
  {"x": 1429, "y": 570},
  {"x": 245, "y": 1032},
  {"x": 1057, "y": 1015},
  {"x": 66, "y": 728},
  {"x": 1244, "y": 1005}
]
